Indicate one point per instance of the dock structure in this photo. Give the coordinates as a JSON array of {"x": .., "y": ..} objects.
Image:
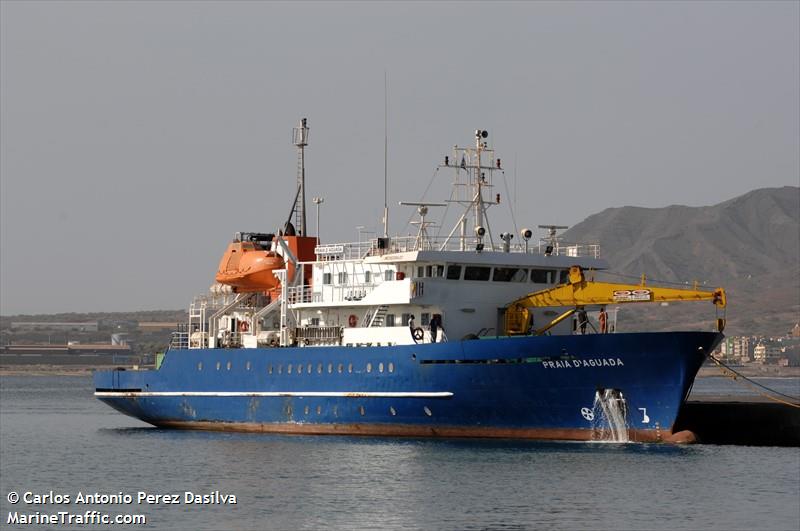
[{"x": 747, "y": 421}]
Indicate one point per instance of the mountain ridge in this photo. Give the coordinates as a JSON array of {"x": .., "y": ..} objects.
[{"x": 749, "y": 244}]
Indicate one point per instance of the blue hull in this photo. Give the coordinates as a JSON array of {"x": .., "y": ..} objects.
[{"x": 530, "y": 387}]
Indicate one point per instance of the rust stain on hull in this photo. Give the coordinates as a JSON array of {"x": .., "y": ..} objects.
[{"x": 409, "y": 430}]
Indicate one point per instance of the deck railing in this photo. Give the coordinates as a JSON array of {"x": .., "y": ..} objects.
[{"x": 400, "y": 244}]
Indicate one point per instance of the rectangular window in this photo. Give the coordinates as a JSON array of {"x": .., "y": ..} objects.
[
  {"x": 389, "y": 319},
  {"x": 563, "y": 276},
  {"x": 438, "y": 271},
  {"x": 425, "y": 319},
  {"x": 388, "y": 275},
  {"x": 315, "y": 321},
  {"x": 477, "y": 273},
  {"x": 420, "y": 271},
  {"x": 326, "y": 278},
  {"x": 429, "y": 271},
  {"x": 367, "y": 277},
  {"x": 453, "y": 272},
  {"x": 510, "y": 274},
  {"x": 542, "y": 276},
  {"x": 342, "y": 277},
  {"x": 406, "y": 317}
]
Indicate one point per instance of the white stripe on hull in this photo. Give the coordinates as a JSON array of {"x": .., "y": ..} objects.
[{"x": 347, "y": 394}]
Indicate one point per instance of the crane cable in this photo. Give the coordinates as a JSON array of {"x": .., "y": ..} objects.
[{"x": 734, "y": 375}]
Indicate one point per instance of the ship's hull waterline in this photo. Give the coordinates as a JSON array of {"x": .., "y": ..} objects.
[{"x": 526, "y": 387}]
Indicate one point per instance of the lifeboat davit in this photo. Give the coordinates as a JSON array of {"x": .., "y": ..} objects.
[{"x": 249, "y": 262}]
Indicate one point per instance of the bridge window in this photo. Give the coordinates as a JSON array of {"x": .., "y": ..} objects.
[
  {"x": 543, "y": 276},
  {"x": 453, "y": 272},
  {"x": 477, "y": 273},
  {"x": 510, "y": 274}
]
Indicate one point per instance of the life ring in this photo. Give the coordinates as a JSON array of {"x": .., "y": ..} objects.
[
  {"x": 352, "y": 320},
  {"x": 418, "y": 333},
  {"x": 243, "y": 326}
]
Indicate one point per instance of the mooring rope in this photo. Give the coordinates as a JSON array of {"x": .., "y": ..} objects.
[{"x": 734, "y": 375}]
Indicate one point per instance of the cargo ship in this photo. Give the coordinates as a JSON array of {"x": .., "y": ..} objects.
[{"x": 425, "y": 335}]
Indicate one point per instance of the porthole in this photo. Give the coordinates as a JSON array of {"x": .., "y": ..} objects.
[
  {"x": 305, "y": 410},
  {"x": 369, "y": 367},
  {"x": 200, "y": 366},
  {"x": 288, "y": 410},
  {"x": 380, "y": 367},
  {"x": 350, "y": 368},
  {"x": 319, "y": 369},
  {"x": 269, "y": 370},
  {"x": 228, "y": 366},
  {"x": 280, "y": 369},
  {"x": 361, "y": 410},
  {"x": 391, "y": 367},
  {"x": 392, "y": 411},
  {"x": 319, "y": 410},
  {"x": 335, "y": 411},
  {"x": 427, "y": 411},
  {"x": 219, "y": 365},
  {"x": 309, "y": 368},
  {"x": 330, "y": 368},
  {"x": 340, "y": 368},
  {"x": 289, "y": 369},
  {"x": 247, "y": 366}
]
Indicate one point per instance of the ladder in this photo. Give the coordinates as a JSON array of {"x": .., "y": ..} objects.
[{"x": 379, "y": 318}]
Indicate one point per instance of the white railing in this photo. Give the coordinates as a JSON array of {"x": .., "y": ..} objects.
[{"x": 400, "y": 244}]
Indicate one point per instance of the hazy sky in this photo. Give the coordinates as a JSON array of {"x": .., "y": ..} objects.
[{"x": 137, "y": 137}]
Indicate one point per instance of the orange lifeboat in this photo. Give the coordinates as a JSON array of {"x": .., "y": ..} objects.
[{"x": 249, "y": 262}]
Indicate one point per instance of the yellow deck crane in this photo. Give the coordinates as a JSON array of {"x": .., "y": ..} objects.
[{"x": 579, "y": 292}]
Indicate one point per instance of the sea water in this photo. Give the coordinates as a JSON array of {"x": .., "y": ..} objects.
[{"x": 57, "y": 440}]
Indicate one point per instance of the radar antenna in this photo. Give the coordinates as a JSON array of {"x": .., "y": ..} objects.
[
  {"x": 552, "y": 238},
  {"x": 422, "y": 242}
]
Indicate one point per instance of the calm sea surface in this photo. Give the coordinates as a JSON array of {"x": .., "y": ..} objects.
[{"x": 54, "y": 436}]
